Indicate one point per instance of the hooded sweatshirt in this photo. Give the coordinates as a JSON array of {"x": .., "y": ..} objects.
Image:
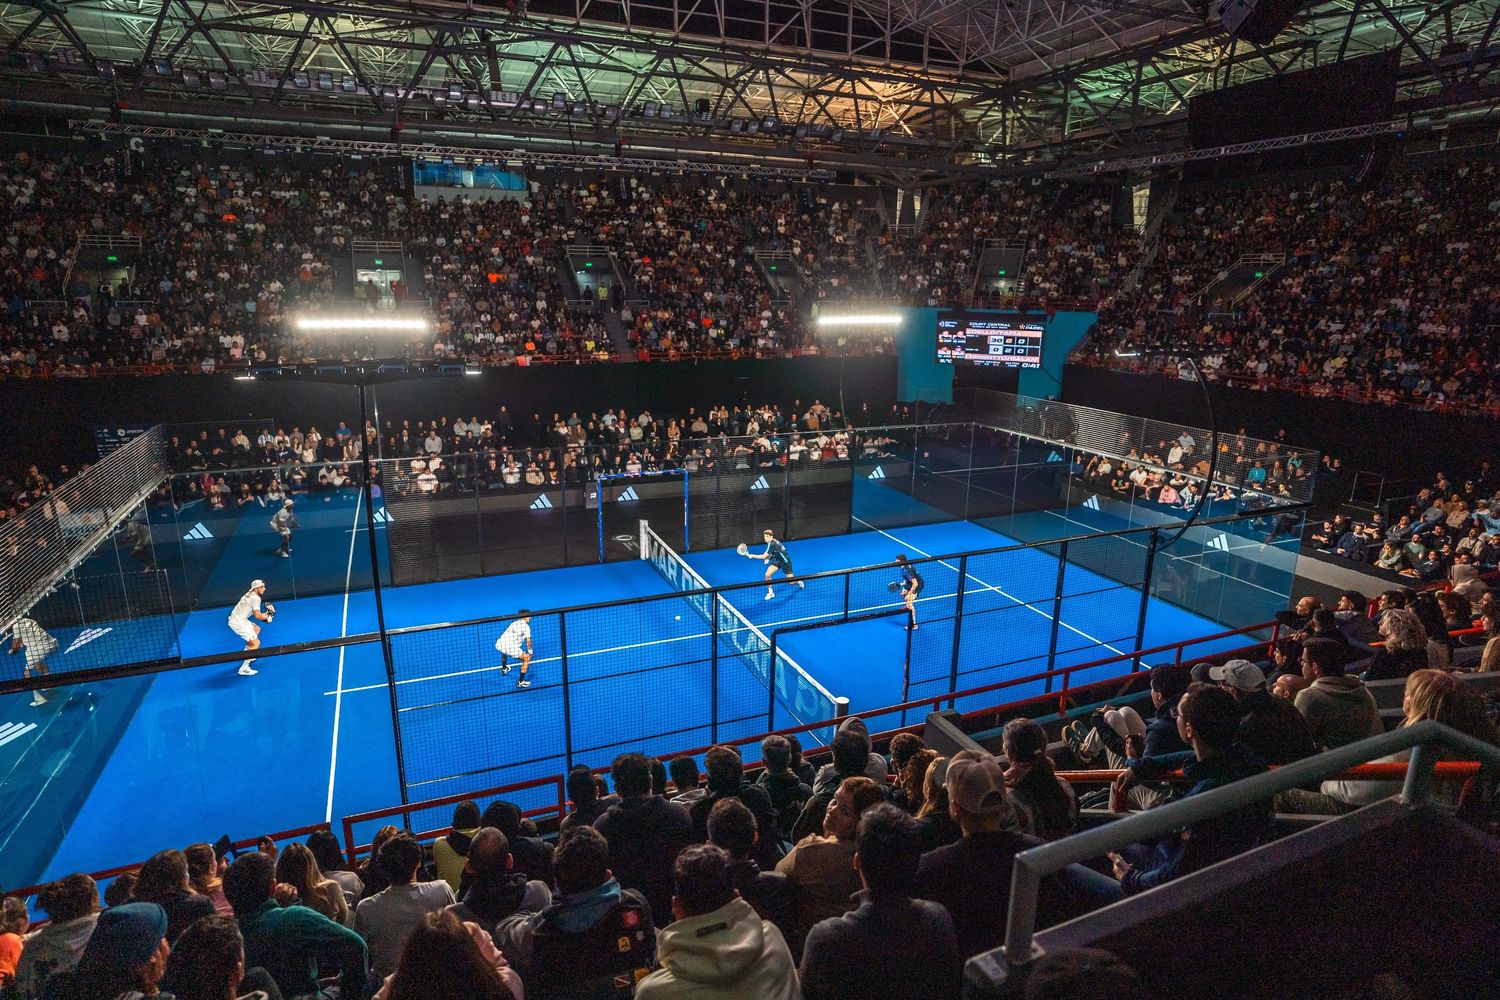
[
  {"x": 727, "y": 954},
  {"x": 1339, "y": 711},
  {"x": 875, "y": 768}
]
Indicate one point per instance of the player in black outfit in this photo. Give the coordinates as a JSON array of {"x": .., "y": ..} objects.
[{"x": 911, "y": 586}]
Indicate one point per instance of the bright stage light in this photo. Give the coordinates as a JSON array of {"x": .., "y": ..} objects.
[
  {"x": 360, "y": 324},
  {"x": 859, "y": 319}
]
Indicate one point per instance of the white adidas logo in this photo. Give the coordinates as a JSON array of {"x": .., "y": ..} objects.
[
  {"x": 541, "y": 503},
  {"x": 14, "y": 731},
  {"x": 198, "y": 532},
  {"x": 879, "y": 473},
  {"x": 1220, "y": 542},
  {"x": 1092, "y": 503},
  {"x": 381, "y": 517},
  {"x": 87, "y": 636},
  {"x": 760, "y": 484},
  {"x": 629, "y": 494},
  {"x": 1054, "y": 457}
]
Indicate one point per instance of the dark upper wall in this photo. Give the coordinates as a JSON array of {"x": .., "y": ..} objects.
[
  {"x": 1393, "y": 441},
  {"x": 54, "y": 419}
]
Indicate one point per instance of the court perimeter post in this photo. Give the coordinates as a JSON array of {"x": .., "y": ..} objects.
[
  {"x": 958, "y": 628},
  {"x": 562, "y": 645},
  {"x": 1140, "y": 622},
  {"x": 1062, "y": 569},
  {"x": 713, "y": 673}
]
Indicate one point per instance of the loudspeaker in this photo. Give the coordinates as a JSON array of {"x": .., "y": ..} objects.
[{"x": 1258, "y": 21}]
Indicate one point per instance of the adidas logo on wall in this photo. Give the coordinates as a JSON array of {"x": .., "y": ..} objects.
[
  {"x": 87, "y": 636},
  {"x": 1054, "y": 457},
  {"x": 382, "y": 517},
  {"x": 542, "y": 502},
  {"x": 198, "y": 532},
  {"x": 760, "y": 484},
  {"x": 1220, "y": 542},
  {"x": 1092, "y": 503},
  {"x": 629, "y": 494},
  {"x": 879, "y": 473},
  {"x": 14, "y": 731}
]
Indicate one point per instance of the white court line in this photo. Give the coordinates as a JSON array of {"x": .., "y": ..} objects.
[
  {"x": 338, "y": 701},
  {"x": 635, "y": 645},
  {"x": 992, "y": 588}
]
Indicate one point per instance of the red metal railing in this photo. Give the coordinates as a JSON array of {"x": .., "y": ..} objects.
[
  {"x": 109, "y": 873},
  {"x": 1380, "y": 771}
]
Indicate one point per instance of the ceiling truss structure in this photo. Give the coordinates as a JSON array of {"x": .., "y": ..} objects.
[{"x": 901, "y": 87}]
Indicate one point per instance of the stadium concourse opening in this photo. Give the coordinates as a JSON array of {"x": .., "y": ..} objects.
[{"x": 650, "y": 630}]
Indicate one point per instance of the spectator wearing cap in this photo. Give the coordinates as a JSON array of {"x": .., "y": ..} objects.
[
  {"x": 717, "y": 944},
  {"x": 971, "y": 877},
  {"x": 1209, "y": 718},
  {"x": 289, "y": 941},
  {"x": 126, "y": 956},
  {"x": 1339, "y": 709},
  {"x": 821, "y": 866},
  {"x": 1352, "y": 613},
  {"x": 72, "y": 907},
  {"x": 892, "y": 944},
  {"x": 1270, "y": 726}
]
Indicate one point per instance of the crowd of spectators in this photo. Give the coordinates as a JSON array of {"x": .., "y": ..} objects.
[
  {"x": 1386, "y": 294},
  {"x": 23, "y": 489},
  {"x": 877, "y": 874},
  {"x": 1446, "y": 531}
]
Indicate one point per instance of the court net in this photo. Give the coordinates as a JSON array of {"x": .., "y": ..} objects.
[{"x": 794, "y": 698}]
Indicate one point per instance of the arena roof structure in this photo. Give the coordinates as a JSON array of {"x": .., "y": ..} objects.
[{"x": 896, "y": 87}]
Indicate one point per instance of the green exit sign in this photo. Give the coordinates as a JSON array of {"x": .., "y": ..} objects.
[
  {"x": 588, "y": 263},
  {"x": 1260, "y": 274},
  {"x": 112, "y": 259},
  {"x": 379, "y": 262},
  {"x": 1002, "y": 272},
  {"x": 773, "y": 267}
]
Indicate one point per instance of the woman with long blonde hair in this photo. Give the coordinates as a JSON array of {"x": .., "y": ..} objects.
[{"x": 298, "y": 868}]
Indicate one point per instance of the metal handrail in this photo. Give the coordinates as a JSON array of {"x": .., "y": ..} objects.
[{"x": 1031, "y": 866}]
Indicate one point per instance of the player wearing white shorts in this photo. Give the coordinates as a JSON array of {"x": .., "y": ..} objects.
[
  {"x": 240, "y": 624},
  {"x": 282, "y": 522},
  {"x": 515, "y": 641},
  {"x": 39, "y": 645}
]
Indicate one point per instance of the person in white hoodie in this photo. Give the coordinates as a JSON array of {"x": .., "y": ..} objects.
[{"x": 717, "y": 946}]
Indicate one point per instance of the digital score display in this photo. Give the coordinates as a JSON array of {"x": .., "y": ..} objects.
[{"x": 1006, "y": 342}]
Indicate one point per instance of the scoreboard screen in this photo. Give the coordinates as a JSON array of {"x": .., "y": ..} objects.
[{"x": 1013, "y": 341}]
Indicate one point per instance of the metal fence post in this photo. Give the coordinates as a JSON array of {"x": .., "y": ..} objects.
[
  {"x": 958, "y": 627},
  {"x": 1057, "y": 598},
  {"x": 1140, "y": 622},
  {"x": 771, "y": 687},
  {"x": 562, "y": 646},
  {"x": 713, "y": 672},
  {"x": 786, "y": 500}
]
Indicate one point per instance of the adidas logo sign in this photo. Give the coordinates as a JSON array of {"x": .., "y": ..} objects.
[
  {"x": 381, "y": 517},
  {"x": 879, "y": 473},
  {"x": 14, "y": 731},
  {"x": 87, "y": 636},
  {"x": 1092, "y": 503},
  {"x": 629, "y": 494},
  {"x": 1054, "y": 457},
  {"x": 760, "y": 484},
  {"x": 541, "y": 503},
  {"x": 1220, "y": 542},
  {"x": 198, "y": 532}
]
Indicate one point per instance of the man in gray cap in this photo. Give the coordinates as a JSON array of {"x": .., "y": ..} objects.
[
  {"x": 1271, "y": 726},
  {"x": 126, "y": 955},
  {"x": 971, "y": 878}
]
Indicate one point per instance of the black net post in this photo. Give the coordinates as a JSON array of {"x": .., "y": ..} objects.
[
  {"x": 786, "y": 499},
  {"x": 958, "y": 628},
  {"x": 906, "y": 675},
  {"x": 713, "y": 673},
  {"x": 1057, "y": 597},
  {"x": 1140, "y": 624}
]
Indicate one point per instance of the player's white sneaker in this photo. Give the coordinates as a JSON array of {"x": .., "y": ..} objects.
[
  {"x": 505, "y": 668},
  {"x": 248, "y": 671},
  {"x": 37, "y": 699},
  {"x": 769, "y": 596},
  {"x": 282, "y": 555},
  {"x": 523, "y": 683},
  {"x": 801, "y": 584}
]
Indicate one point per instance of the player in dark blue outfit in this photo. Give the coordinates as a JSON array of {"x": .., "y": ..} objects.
[
  {"x": 911, "y": 586},
  {"x": 776, "y": 558}
]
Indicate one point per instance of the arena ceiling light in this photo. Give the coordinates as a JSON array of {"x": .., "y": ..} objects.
[
  {"x": 359, "y": 324},
  {"x": 869, "y": 319}
]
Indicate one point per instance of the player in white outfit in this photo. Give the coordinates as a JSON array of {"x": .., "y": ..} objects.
[
  {"x": 240, "y": 624},
  {"x": 28, "y": 635},
  {"x": 282, "y": 522},
  {"x": 516, "y": 641}
]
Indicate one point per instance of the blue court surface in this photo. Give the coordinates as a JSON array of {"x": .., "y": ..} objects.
[{"x": 109, "y": 773}]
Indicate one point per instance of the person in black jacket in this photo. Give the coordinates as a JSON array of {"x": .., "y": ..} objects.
[
  {"x": 1272, "y": 726},
  {"x": 164, "y": 880},
  {"x": 726, "y": 780},
  {"x": 533, "y": 855},
  {"x": 644, "y": 832},
  {"x": 495, "y": 889},
  {"x": 732, "y": 826},
  {"x": 788, "y": 792}
]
